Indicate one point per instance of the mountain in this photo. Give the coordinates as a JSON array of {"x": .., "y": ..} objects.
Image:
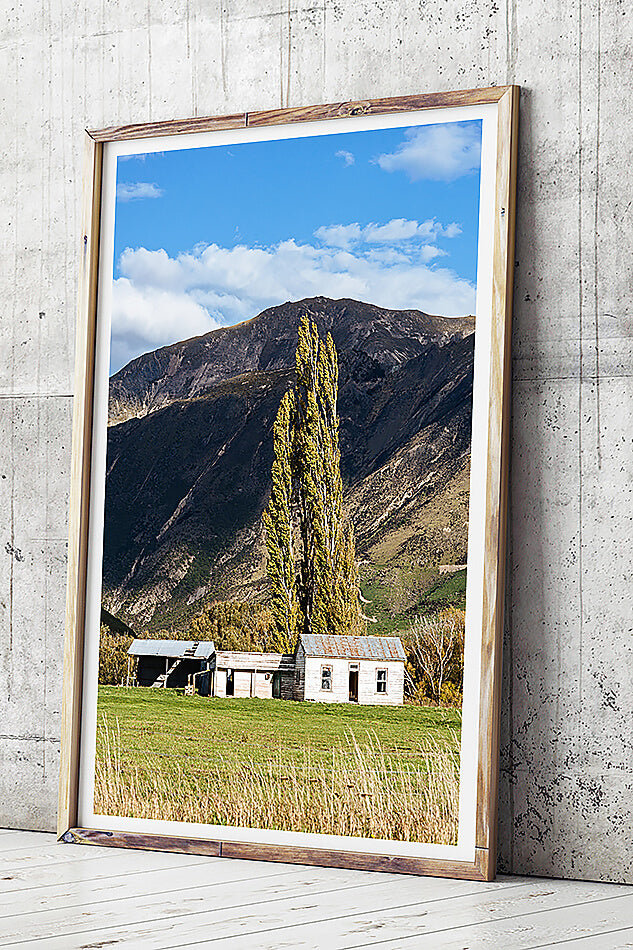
[
  {"x": 190, "y": 451},
  {"x": 267, "y": 342}
]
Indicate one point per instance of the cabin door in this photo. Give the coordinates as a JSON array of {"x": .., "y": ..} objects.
[
  {"x": 353, "y": 685},
  {"x": 277, "y": 685}
]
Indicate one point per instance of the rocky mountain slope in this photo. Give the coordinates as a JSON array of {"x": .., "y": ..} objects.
[{"x": 190, "y": 451}]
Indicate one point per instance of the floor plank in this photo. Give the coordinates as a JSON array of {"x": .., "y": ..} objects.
[
  {"x": 547, "y": 927},
  {"x": 620, "y": 939},
  {"x": 168, "y": 881},
  {"x": 307, "y": 895},
  {"x": 109, "y": 864},
  {"x": 15, "y": 840},
  {"x": 338, "y": 913},
  {"x": 234, "y": 883},
  {"x": 25, "y": 857},
  {"x": 73, "y": 897}
]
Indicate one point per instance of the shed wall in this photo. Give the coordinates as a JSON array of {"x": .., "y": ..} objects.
[
  {"x": 340, "y": 680},
  {"x": 262, "y": 686},
  {"x": 300, "y": 674},
  {"x": 148, "y": 668},
  {"x": 220, "y": 683},
  {"x": 287, "y": 686},
  {"x": 395, "y": 683},
  {"x": 242, "y": 681}
]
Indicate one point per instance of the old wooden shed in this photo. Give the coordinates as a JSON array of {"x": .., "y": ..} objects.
[{"x": 170, "y": 663}]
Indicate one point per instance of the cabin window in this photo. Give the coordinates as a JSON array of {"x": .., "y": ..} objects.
[
  {"x": 326, "y": 678},
  {"x": 381, "y": 681}
]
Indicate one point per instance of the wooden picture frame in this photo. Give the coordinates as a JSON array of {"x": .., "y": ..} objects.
[{"x": 480, "y": 862}]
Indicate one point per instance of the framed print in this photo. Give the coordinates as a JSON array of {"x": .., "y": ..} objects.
[{"x": 286, "y": 562}]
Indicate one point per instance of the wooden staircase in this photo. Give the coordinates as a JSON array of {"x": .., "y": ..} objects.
[{"x": 161, "y": 680}]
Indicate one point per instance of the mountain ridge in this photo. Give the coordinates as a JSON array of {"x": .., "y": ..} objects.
[{"x": 190, "y": 366}]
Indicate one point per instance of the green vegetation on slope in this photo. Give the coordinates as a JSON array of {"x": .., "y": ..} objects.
[{"x": 397, "y": 593}]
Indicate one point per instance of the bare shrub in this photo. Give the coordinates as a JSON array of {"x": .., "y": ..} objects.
[{"x": 435, "y": 649}]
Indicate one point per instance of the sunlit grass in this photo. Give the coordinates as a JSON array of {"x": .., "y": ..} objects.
[{"x": 361, "y": 771}]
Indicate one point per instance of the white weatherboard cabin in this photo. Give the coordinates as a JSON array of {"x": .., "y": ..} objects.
[{"x": 339, "y": 669}]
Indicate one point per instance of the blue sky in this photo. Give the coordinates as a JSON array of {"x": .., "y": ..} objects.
[{"x": 208, "y": 237}]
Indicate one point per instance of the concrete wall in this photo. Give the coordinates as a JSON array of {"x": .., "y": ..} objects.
[{"x": 567, "y": 761}]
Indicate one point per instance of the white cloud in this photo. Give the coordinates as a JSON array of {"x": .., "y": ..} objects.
[
  {"x": 145, "y": 317},
  {"x": 161, "y": 299},
  {"x": 394, "y": 231},
  {"x": 134, "y": 190},
  {"x": 387, "y": 255},
  {"x": 429, "y": 252},
  {"x": 339, "y": 235},
  {"x": 452, "y": 230},
  {"x": 348, "y": 157},
  {"x": 436, "y": 152},
  {"x": 399, "y": 229}
]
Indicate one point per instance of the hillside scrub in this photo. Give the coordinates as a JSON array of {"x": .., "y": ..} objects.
[
  {"x": 113, "y": 657},
  {"x": 231, "y": 625},
  {"x": 234, "y": 625},
  {"x": 396, "y": 593}
]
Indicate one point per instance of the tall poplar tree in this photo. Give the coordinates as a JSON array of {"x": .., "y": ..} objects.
[
  {"x": 307, "y": 534},
  {"x": 279, "y": 537}
]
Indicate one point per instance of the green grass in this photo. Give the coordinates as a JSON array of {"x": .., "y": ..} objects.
[
  {"x": 335, "y": 769},
  {"x": 449, "y": 591},
  {"x": 177, "y": 729}
]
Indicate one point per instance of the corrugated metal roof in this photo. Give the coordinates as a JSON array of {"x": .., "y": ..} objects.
[
  {"x": 202, "y": 650},
  {"x": 238, "y": 660},
  {"x": 358, "y": 648}
]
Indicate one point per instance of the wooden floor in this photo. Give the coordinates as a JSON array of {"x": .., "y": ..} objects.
[{"x": 62, "y": 897}]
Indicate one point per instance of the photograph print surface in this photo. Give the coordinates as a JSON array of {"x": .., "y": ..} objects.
[{"x": 287, "y": 483}]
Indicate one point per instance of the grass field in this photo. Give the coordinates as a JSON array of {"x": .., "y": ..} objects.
[{"x": 335, "y": 769}]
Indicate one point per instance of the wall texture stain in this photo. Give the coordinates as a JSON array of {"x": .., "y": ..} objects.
[{"x": 566, "y": 804}]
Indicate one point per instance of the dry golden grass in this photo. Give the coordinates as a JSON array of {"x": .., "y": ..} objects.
[{"x": 363, "y": 794}]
